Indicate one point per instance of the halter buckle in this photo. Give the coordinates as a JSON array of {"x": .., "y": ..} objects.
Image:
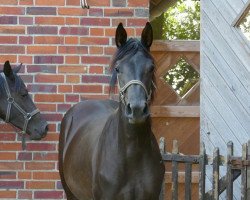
[
  {"x": 10, "y": 100},
  {"x": 28, "y": 116}
]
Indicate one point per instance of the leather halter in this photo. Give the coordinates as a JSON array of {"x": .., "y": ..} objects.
[
  {"x": 134, "y": 82},
  {"x": 11, "y": 101}
]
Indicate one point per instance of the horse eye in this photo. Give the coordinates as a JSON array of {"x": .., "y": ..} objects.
[{"x": 24, "y": 94}]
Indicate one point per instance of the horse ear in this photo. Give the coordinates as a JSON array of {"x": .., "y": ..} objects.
[
  {"x": 17, "y": 69},
  {"x": 147, "y": 35},
  {"x": 120, "y": 36},
  {"x": 7, "y": 70}
]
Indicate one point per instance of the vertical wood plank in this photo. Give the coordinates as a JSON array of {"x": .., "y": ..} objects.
[
  {"x": 175, "y": 172},
  {"x": 243, "y": 173},
  {"x": 162, "y": 151},
  {"x": 229, "y": 171},
  {"x": 216, "y": 167},
  {"x": 248, "y": 171},
  {"x": 188, "y": 181},
  {"x": 202, "y": 178}
]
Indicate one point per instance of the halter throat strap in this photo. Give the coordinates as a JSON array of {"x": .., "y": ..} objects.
[{"x": 11, "y": 101}]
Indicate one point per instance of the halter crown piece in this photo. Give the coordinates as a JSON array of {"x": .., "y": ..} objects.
[{"x": 11, "y": 101}]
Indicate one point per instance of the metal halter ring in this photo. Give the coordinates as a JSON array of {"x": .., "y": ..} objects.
[
  {"x": 10, "y": 100},
  {"x": 28, "y": 116}
]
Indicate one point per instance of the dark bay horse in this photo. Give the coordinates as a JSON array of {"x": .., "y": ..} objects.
[
  {"x": 17, "y": 107},
  {"x": 107, "y": 150}
]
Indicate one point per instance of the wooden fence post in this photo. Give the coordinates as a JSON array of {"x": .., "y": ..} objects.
[
  {"x": 216, "y": 165},
  {"x": 175, "y": 172},
  {"x": 229, "y": 171},
  {"x": 248, "y": 171},
  {"x": 243, "y": 173},
  {"x": 202, "y": 177},
  {"x": 162, "y": 151}
]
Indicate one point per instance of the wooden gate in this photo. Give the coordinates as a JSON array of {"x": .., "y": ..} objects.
[
  {"x": 234, "y": 167},
  {"x": 176, "y": 117}
]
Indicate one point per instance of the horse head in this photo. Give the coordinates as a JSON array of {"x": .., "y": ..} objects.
[{"x": 16, "y": 105}]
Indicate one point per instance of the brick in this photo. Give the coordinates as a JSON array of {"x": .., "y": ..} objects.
[
  {"x": 93, "y": 96},
  {"x": 7, "y": 136},
  {"x": 23, "y": 194},
  {"x": 25, "y": 59},
  {"x": 41, "y": 68},
  {"x": 46, "y": 30},
  {"x": 46, "y": 175},
  {"x": 8, "y": 2},
  {"x": 109, "y": 50},
  {"x": 48, "y": 194},
  {"x": 50, "y": 3},
  {"x": 40, "y": 185},
  {"x": 87, "y": 88},
  {"x": 73, "y": 50},
  {"x": 95, "y": 59},
  {"x": 72, "y": 11},
  {"x": 96, "y": 70},
  {"x": 96, "y": 12},
  {"x": 119, "y": 12},
  {"x": 95, "y": 21},
  {"x": 45, "y": 156},
  {"x": 26, "y": 20},
  {"x": 41, "y": 49},
  {"x": 41, "y": 10},
  {"x": 142, "y": 12},
  {"x": 48, "y": 59},
  {"x": 40, "y": 147},
  {"x": 24, "y": 175},
  {"x": 8, "y": 174},
  {"x": 12, "y": 49},
  {"x": 25, "y": 39},
  {"x": 65, "y": 88},
  {"x": 74, "y": 31},
  {"x": 95, "y": 79},
  {"x": 8, "y": 39},
  {"x": 27, "y": 78},
  {"x": 72, "y": 2},
  {"x": 39, "y": 166},
  {"x": 48, "y": 40},
  {"x": 8, "y": 156},
  {"x": 72, "y": 98},
  {"x": 49, "y": 98},
  {"x": 71, "y": 40},
  {"x": 63, "y": 107},
  {"x": 138, "y": 3},
  {"x": 45, "y": 78},
  {"x": 46, "y": 107},
  {"x": 72, "y": 59},
  {"x": 72, "y": 69},
  {"x": 40, "y": 88},
  {"x": 96, "y": 31},
  {"x": 119, "y": 3},
  {"x": 72, "y": 21},
  {"x": 98, "y": 3},
  {"x": 8, "y": 19},
  {"x": 11, "y": 184},
  {"x": 53, "y": 117},
  {"x": 52, "y": 138},
  {"x": 50, "y": 20},
  {"x": 25, "y": 2},
  {"x": 94, "y": 41},
  {"x": 95, "y": 50},
  {"x": 12, "y": 10},
  {"x": 137, "y": 22},
  {"x": 12, "y": 30},
  {"x": 24, "y": 156},
  {"x": 73, "y": 79},
  {"x": 7, "y": 194}
]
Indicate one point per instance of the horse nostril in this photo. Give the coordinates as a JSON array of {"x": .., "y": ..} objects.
[
  {"x": 128, "y": 110},
  {"x": 145, "y": 109},
  {"x": 47, "y": 128}
]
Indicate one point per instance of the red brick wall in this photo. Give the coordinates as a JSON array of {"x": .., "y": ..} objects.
[{"x": 66, "y": 53}]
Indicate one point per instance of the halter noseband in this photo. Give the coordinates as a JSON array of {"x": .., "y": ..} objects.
[
  {"x": 133, "y": 82},
  {"x": 11, "y": 101}
]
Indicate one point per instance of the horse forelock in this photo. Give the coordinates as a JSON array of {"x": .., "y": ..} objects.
[
  {"x": 17, "y": 86},
  {"x": 130, "y": 48}
]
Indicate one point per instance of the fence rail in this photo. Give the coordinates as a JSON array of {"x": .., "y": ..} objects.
[{"x": 235, "y": 166}]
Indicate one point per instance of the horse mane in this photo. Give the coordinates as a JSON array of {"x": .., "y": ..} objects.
[{"x": 130, "y": 48}]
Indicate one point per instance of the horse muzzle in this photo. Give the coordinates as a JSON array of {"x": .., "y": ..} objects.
[
  {"x": 39, "y": 134},
  {"x": 137, "y": 113}
]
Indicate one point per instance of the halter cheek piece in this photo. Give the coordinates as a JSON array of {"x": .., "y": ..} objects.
[
  {"x": 134, "y": 82},
  {"x": 11, "y": 101}
]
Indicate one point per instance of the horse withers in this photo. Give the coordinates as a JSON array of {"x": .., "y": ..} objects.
[
  {"x": 107, "y": 150},
  {"x": 17, "y": 107}
]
